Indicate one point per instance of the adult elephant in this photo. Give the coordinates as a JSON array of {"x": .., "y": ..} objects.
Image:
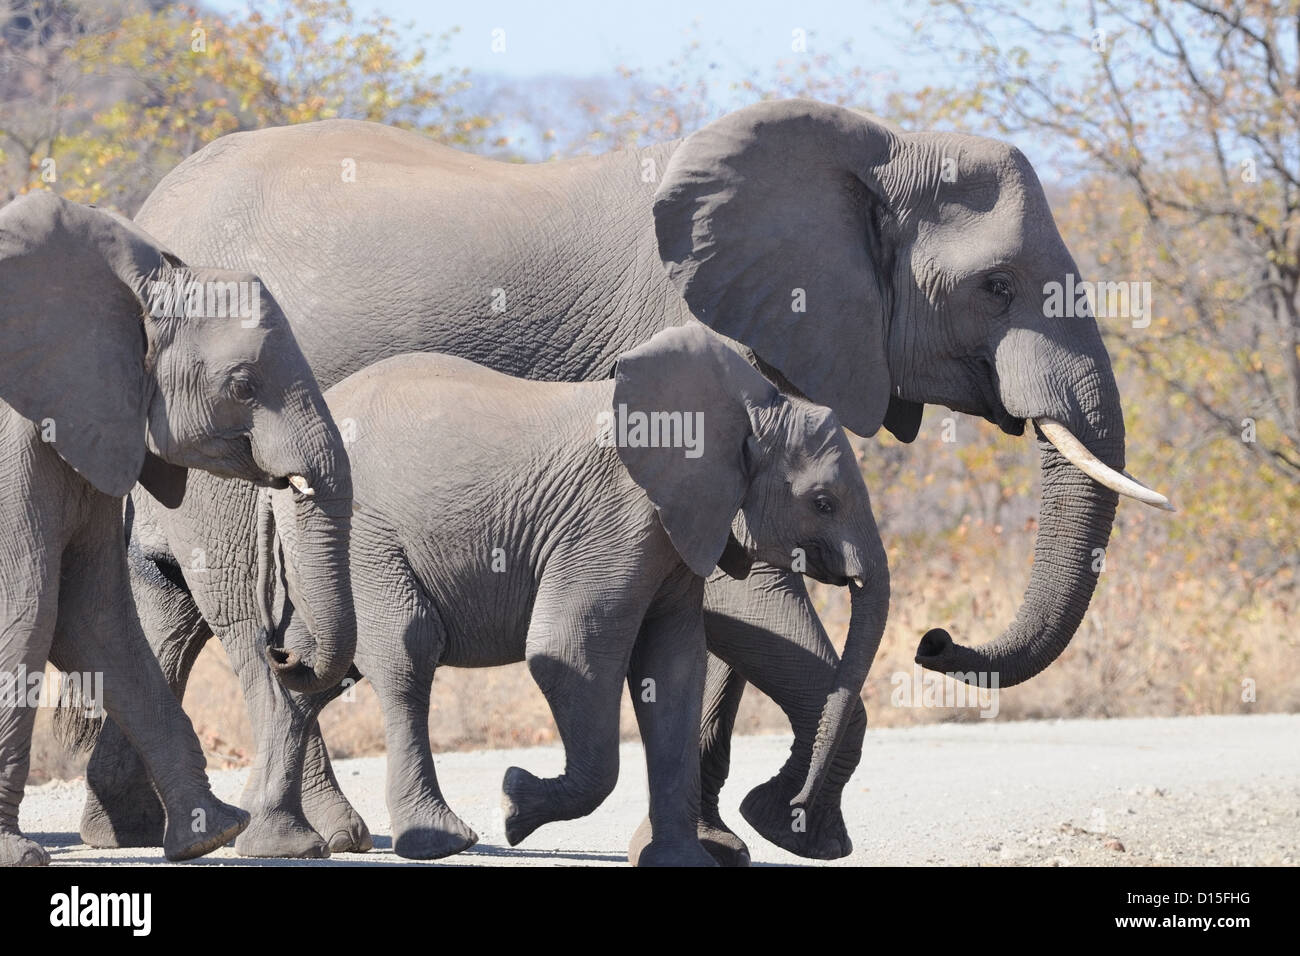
[{"x": 869, "y": 269}]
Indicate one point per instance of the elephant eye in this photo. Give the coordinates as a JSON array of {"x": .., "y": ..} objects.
[
  {"x": 999, "y": 286},
  {"x": 824, "y": 505},
  {"x": 242, "y": 388}
]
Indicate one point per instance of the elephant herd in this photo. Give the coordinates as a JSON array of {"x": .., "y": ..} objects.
[{"x": 379, "y": 406}]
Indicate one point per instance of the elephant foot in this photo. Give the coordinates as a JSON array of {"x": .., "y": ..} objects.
[
  {"x": 640, "y": 840},
  {"x": 817, "y": 833},
  {"x": 207, "y": 827},
  {"x": 725, "y": 847},
  {"x": 143, "y": 823},
  {"x": 683, "y": 853},
  {"x": 524, "y": 800},
  {"x": 351, "y": 836},
  {"x": 432, "y": 833},
  {"x": 17, "y": 850},
  {"x": 277, "y": 833},
  {"x": 335, "y": 819}
]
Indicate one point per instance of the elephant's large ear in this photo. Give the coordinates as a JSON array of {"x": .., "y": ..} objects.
[
  {"x": 768, "y": 222},
  {"x": 165, "y": 481},
  {"x": 903, "y": 419},
  {"x": 682, "y": 422},
  {"x": 72, "y": 342}
]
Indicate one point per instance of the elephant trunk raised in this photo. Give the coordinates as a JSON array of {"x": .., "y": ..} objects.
[
  {"x": 314, "y": 524},
  {"x": 869, "y": 611}
]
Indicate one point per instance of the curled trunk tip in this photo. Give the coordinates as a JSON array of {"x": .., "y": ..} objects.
[
  {"x": 868, "y": 614},
  {"x": 1074, "y": 527}
]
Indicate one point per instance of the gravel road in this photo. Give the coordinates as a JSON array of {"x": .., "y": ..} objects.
[{"x": 1162, "y": 791}]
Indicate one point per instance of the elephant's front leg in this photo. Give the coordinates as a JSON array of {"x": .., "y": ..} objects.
[
  {"x": 28, "y": 590},
  {"x": 666, "y": 680},
  {"x": 723, "y": 689},
  {"x": 122, "y": 809},
  {"x": 766, "y": 628},
  {"x": 578, "y": 648},
  {"x": 98, "y": 633}
]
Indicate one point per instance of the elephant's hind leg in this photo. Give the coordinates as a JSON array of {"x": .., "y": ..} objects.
[{"x": 399, "y": 640}]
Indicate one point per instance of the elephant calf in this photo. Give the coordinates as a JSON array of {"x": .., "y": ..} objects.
[{"x": 571, "y": 526}]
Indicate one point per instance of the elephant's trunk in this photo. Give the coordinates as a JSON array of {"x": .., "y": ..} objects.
[
  {"x": 313, "y": 519},
  {"x": 1074, "y": 523},
  {"x": 869, "y": 611},
  {"x": 266, "y": 549},
  {"x": 320, "y": 586}
]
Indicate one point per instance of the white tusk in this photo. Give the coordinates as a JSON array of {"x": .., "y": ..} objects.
[
  {"x": 1090, "y": 465},
  {"x": 299, "y": 482},
  {"x": 859, "y": 582}
]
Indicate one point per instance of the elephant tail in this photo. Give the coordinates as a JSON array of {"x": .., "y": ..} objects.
[{"x": 79, "y": 718}]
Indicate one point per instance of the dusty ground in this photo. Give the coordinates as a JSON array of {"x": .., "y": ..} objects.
[{"x": 1164, "y": 791}]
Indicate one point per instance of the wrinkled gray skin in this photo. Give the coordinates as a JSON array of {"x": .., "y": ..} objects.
[
  {"x": 103, "y": 381},
  {"x": 916, "y": 287},
  {"x": 585, "y": 560}
]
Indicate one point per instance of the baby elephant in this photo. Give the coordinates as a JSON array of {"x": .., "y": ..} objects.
[{"x": 571, "y": 526}]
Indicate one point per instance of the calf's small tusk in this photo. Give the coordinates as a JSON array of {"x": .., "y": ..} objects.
[
  {"x": 299, "y": 482},
  {"x": 858, "y": 581},
  {"x": 1121, "y": 482}
]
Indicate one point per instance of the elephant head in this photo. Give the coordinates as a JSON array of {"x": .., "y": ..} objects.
[
  {"x": 136, "y": 366},
  {"x": 781, "y": 467},
  {"x": 873, "y": 271}
]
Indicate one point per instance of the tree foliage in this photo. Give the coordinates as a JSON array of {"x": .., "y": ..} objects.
[{"x": 105, "y": 101}]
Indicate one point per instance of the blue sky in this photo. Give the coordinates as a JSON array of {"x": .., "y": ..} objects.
[
  {"x": 593, "y": 37},
  {"x": 563, "y": 44}
]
